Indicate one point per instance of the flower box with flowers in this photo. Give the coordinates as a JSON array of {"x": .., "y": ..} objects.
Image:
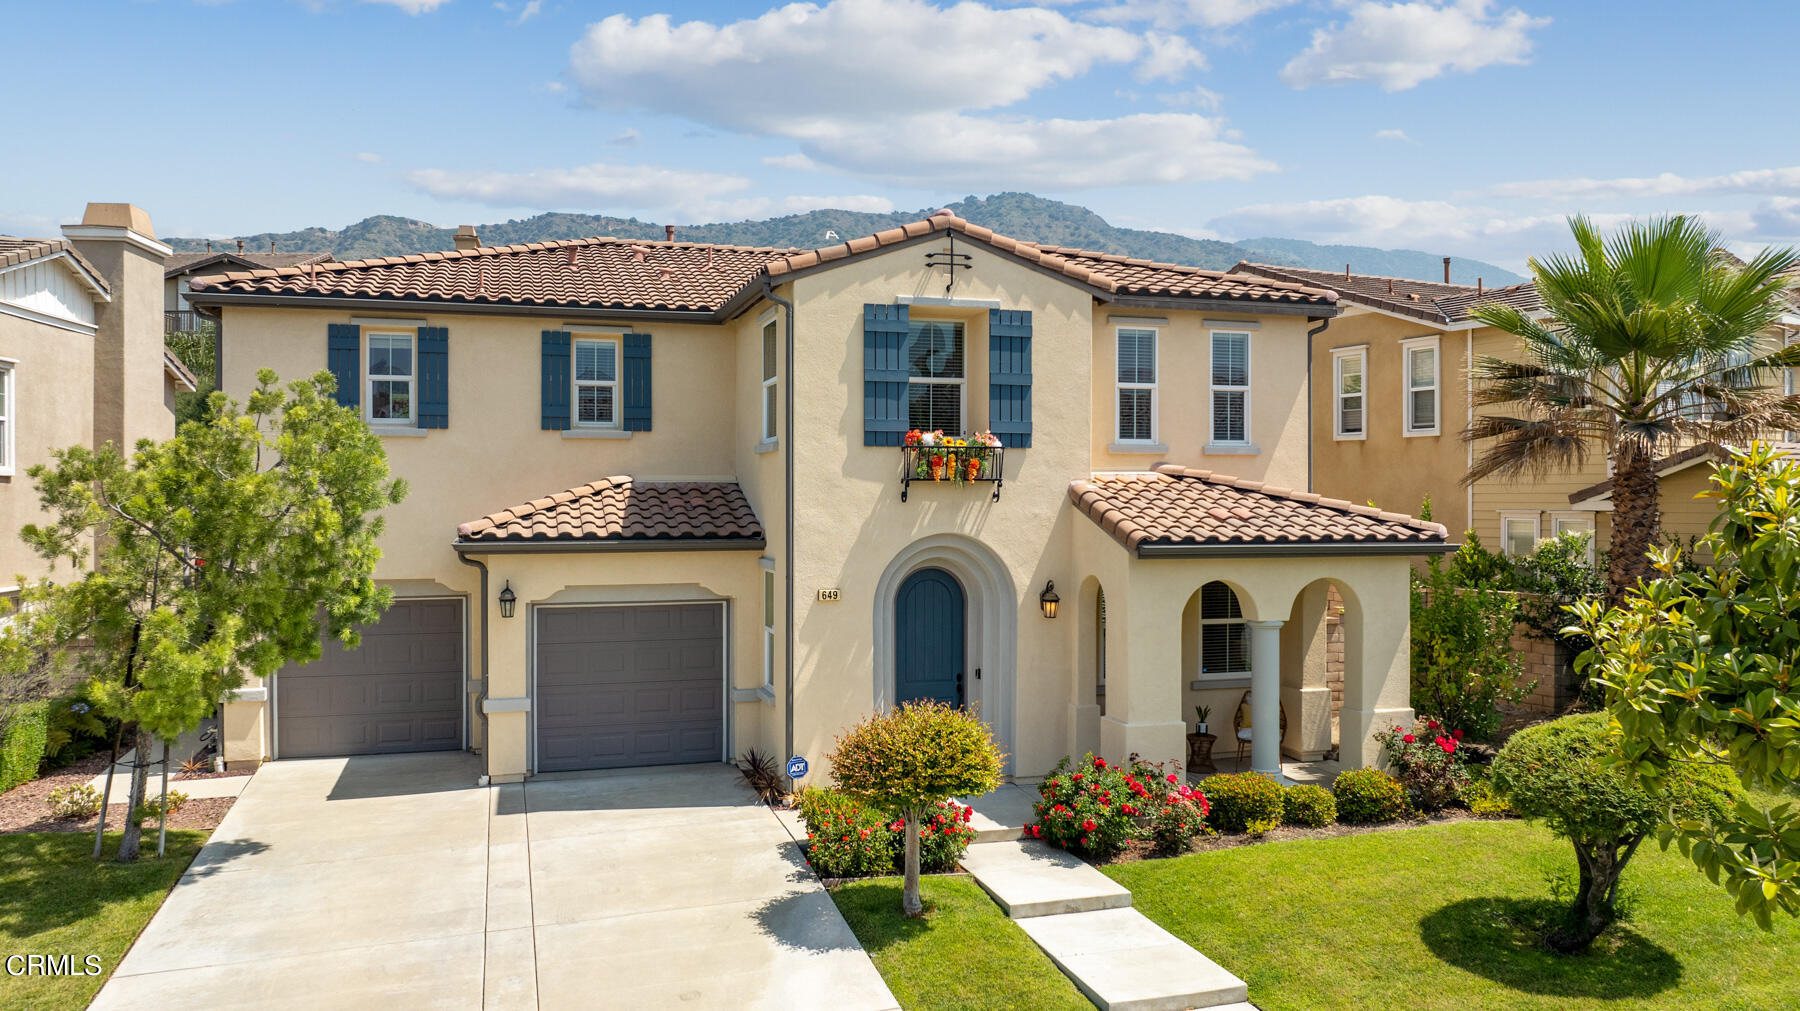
[{"x": 950, "y": 459}]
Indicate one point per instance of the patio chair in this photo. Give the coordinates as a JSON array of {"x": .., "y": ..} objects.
[{"x": 1242, "y": 733}]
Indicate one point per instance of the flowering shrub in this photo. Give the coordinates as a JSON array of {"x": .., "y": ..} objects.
[
  {"x": 1179, "y": 819},
  {"x": 81, "y": 801},
  {"x": 1244, "y": 802},
  {"x": 1368, "y": 797},
  {"x": 1308, "y": 806},
  {"x": 1433, "y": 771},
  {"x": 1090, "y": 808},
  {"x": 853, "y": 840}
]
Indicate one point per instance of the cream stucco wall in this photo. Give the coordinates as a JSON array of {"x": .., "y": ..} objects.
[
  {"x": 51, "y": 408},
  {"x": 128, "y": 386}
]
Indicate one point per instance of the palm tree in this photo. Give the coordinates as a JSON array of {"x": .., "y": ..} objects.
[{"x": 1650, "y": 342}]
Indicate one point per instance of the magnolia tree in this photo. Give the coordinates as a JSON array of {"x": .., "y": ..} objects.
[
  {"x": 1699, "y": 671},
  {"x": 1560, "y": 773},
  {"x": 215, "y": 554},
  {"x": 911, "y": 758}
]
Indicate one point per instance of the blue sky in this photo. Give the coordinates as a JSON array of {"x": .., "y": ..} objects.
[{"x": 1465, "y": 127}]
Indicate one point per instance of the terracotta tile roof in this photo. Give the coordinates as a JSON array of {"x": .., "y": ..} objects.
[
  {"x": 177, "y": 370},
  {"x": 624, "y": 510},
  {"x": 1176, "y": 506},
  {"x": 1431, "y": 301},
  {"x": 15, "y": 251},
  {"x": 225, "y": 259},
  {"x": 607, "y": 273}
]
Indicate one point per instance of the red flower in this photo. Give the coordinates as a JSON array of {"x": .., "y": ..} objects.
[
  {"x": 898, "y": 826},
  {"x": 1408, "y": 738},
  {"x": 1128, "y": 809},
  {"x": 1099, "y": 763},
  {"x": 1433, "y": 724},
  {"x": 199, "y": 562},
  {"x": 1172, "y": 778},
  {"x": 1076, "y": 777},
  {"x": 1084, "y": 840},
  {"x": 1089, "y": 825},
  {"x": 1456, "y": 734},
  {"x": 1447, "y": 744}
]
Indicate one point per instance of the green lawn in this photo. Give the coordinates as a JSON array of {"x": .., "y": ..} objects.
[
  {"x": 965, "y": 953},
  {"x": 1439, "y": 917},
  {"x": 54, "y": 900}
]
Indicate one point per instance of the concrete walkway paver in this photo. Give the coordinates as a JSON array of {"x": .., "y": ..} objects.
[
  {"x": 1035, "y": 879},
  {"x": 394, "y": 882}
]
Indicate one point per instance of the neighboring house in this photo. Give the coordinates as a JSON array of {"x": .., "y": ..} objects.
[
  {"x": 661, "y": 508},
  {"x": 181, "y": 268},
  {"x": 1393, "y": 398},
  {"x": 82, "y": 360}
]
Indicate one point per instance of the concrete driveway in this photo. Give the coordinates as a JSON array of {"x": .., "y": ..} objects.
[{"x": 393, "y": 882}]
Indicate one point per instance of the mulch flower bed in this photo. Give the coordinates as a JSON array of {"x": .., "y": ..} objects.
[
  {"x": 1144, "y": 849},
  {"x": 26, "y": 808}
]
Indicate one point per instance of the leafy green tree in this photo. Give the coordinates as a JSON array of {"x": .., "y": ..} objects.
[
  {"x": 198, "y": 350},
  {"x": 1560, "y": 773},
  {"x": 1651, "y": 343},
  {"x": 909, "y": 759},
  {"x": 1700, "y": 668},
  {"x": 1463, "y": 663},
  {"x": 216, "y": 553}
]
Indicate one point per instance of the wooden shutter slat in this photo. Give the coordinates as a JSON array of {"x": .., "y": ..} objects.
[
  {"x": 556, "y": 380},
  {"x": 434, "y": 377},
  {"x": 1009, "y": 376},
  {"x": 885, "y": 373},
  {"x": 635, "y": 378},
  {"x": 343, "y": 356}
]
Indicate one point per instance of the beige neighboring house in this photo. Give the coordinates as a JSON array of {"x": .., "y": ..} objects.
[
  {"x": 662, "y": 509},
  {"x": 181, "y": 268},
  {"x": 1393, "y": 397},
  {"x": 82, "y": 360}
]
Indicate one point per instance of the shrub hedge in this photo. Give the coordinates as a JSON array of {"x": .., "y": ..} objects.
[
  {"x": 1244, "y": 802},
  {"x": 1308, "y": 806},
  {"x": 23, "y": 746},
  {"x": 1369, "y": 797}
]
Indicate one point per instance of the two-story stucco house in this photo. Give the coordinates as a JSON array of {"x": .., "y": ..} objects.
[
  {"x": 82, "y": 361},
  {"x": 1394, "y": 396},
  {"x": 668, "y": 504}
]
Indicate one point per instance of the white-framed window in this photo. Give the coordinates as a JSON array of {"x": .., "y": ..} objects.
[
  {"x": 1420, "y": 375},
  {"x": 390, "y": 377},
  {"x": 1224, "y": 635},
  {"x": 596, "y": 378},
  {"x": 1230, "y": 388},
  {"x": 937, "y": 381},
  {"x": 768, "y": 636},
  {"x": 1137, "y": 383},
  {"x": 1350, "y": 367},
  {"x": 1574, "y": 523},
  {"x": 8, "y": 411},
  {"x": 1518, "y": 533},
  {"x": 769, "y": 381}
]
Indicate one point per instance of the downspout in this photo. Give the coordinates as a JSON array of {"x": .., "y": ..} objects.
[
  {"x": 1310, "y": 334},
  {"x": 481, "y": 699},
  {"x": 787, "y": 568}
]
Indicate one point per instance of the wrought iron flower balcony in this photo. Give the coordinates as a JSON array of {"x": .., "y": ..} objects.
[{"x": 952, "y": 464}]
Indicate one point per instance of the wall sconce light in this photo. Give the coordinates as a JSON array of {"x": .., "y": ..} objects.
[
  {"x": 1048, "y": 599},
  {"x": 508, "y": 600}
]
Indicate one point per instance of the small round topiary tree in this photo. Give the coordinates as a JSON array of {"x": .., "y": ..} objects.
[
  {"x": 1556, "y": 773},
  {"x": 909, "y": 759}
]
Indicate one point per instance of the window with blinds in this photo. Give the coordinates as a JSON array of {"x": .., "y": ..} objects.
[
  {"x": 768, "y": 381},
  {"x": 596, "y": 378},
  {"x": 1230, "y": 388},
  {"x": 1421, "y": 387},
  {"x": 934, "y": 399},
  {"x": 1351, "y": 366},
  {"x": 1137, "y": 384},
  {"x": 1224, "y": 635}
]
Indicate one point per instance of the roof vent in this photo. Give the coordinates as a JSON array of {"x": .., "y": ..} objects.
[
  {"x": 709, "y": 257},
  {"x": 639, "y": 252},
  {"x": 466, "y": 238},
  {"x": 665, "y": 273},
  {"x": 1446, "y": 270},
  {"x": 1478, "y": 286},
  {"x": 668, "y": 233},
  {"x": 1390, "y": 286},
  {"x": 271, "y": 245},
  {"x": 240, "y": 245},
  {"x": 568, "y": 256}
]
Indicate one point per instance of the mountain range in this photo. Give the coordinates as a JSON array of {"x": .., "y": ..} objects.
[{"x": 1021, "y": 215}]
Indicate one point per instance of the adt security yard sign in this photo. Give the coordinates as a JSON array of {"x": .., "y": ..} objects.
[{"x": 797, "y": 767}]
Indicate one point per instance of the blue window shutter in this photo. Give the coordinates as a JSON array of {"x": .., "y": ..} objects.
[
  {"x": 343, "y": 356},
  {"x": 556, "y": 379},
  {"x": 1009, "y": 376},
  {"x": 434, "y": 377},
  {"x": 634, "y": 375},
  {"x": 885, "y": 372}
]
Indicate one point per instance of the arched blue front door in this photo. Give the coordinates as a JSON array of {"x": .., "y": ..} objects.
[{"x": 928, "y": 638}]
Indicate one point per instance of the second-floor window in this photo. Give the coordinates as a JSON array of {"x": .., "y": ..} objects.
[
  {"x": 1137, "y": 384},
  {"x": 1350, "y": 367},
  {"x": 1230, "y": 388},
  {"x": 391, "y": 377},
  {"x": 768, "y": 381},
  {"x": 596, "y": 382},
  {"x": 934, "y": 400},
  {"x": 6, "y": 418},
  {"x": 1421, "y": 358}
]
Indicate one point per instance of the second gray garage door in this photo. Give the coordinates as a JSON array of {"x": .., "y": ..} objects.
[
  {"x": 620, "y": 686},
  {"x": 401, "y": 690}
]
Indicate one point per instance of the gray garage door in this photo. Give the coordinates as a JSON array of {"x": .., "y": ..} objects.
[
  {"x": 400, "y": 691},
  {"x": 629, "y": 685}
]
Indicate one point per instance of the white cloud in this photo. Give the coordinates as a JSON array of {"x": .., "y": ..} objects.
[
  {"x": 31, "y": 226},
  {"x": 806, "y": 70},
  {"x": 996, "y": 152},
  {"x": 529, "y": 11},
  {"x": 1668, "y": 184},
  {"x": 412, "y": 6},
  {"x": 629, "y": 135},
  {"x": 1167, "y": 57},
  {"x": 1394, "y": 135},
  {"x": 1204, "y": 99},
  {"x": 555, "y": 87},
  {"x": 795, "y": 162},
  {"x": 1182, "y": 13},
  {"x": 1400, "y": 45},
  {"x": 368, "y": 157},
  {"x": 863, "y": 202}
]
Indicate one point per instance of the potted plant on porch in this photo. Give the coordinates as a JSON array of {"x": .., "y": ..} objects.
[{"x": 1200, "y": 714}]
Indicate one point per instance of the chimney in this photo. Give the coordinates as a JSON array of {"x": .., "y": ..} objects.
[
  {"x": 240, "y": 245},
  {"x": 668, "y": 233},
  {"x": 1446, "y": 270},
  {"x": 1478, "y": 286},
  {"x": 128, "y": 404},
  {"x": 209, "y": 245},
  {"x": 466, "y": 238},
  {"x": 1346, "y": 272}
]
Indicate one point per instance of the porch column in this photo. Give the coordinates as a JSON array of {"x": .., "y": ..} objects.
[{"x": 1265, "y": 697}]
